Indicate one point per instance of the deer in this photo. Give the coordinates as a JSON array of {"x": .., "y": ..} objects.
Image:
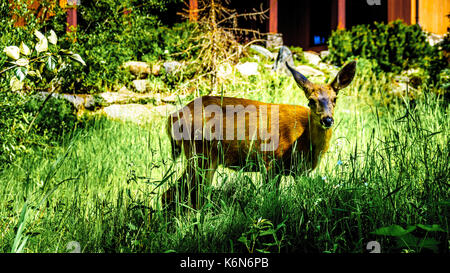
[{"x": 279, "y": 136}]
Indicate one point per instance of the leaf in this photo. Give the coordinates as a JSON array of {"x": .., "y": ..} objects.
[
  {"x": 431, "y": 227},
  {"x": 77, "y": 58},
  {"x": 394, "y": 230},
  {"x": 66, "y": 52},
  {"x": 22, "y": 62},
  {"x": 53, "y": 39},
  {"x": 429, "y": 243},
  {"x": 32, "y": 73},
  {"x": 39, "y": 35},
  {"x": 21, "y": 74},
  {"x": 12, "y": 51},
  {"x": 15, "y": 84},
  {"x": 42, "y": 45},
  {"x": 24, "y": 49},
  {"x": 51, "y": 63}
]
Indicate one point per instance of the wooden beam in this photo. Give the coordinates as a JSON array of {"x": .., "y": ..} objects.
[
  {"x": 273, "y": 16},
  {"x": 399, "y": 9},
  {"x": 193, "y": 10},
  {"x": 71, "y": 19},
  {"x": 341, "y": 14}
]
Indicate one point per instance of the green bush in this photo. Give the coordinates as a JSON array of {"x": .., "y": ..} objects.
[
  {"x": 394, "y": 47},
  {"x": 57, "y": 117}
]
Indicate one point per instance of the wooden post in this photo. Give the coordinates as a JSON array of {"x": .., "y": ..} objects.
[
  {"x": 341, "y": 14},
  {"x": 273, "y": 16},
  {"x": 71, "y": 15},
  {"x": 193, "y": 10}
]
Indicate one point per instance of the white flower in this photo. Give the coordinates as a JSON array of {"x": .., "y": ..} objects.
[{"x": 12, "y": 51}]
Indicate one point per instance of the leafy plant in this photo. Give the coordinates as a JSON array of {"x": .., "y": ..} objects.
[
  {"x": 261, "y": 229},
  {"x": 406, "y": 240}
]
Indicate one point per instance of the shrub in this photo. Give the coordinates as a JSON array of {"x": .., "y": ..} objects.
[{"x": 394, "y": 47}]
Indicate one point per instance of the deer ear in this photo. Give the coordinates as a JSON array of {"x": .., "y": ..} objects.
[
  {"x": 344, "y": 77},
  {"x": 301, "y": 80}
]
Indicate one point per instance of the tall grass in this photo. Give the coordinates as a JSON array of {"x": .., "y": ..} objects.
[{"x": 387, "y": 165}]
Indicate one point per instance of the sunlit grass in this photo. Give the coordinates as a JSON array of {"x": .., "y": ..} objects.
[{"x": 98, "y": 187}]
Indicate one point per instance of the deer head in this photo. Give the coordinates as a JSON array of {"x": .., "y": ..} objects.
[{"x": 322, "y": 98}]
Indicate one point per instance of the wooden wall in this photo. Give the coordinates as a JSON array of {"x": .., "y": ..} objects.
[
  {"x": 399, "y": 9},
  {"x": 432, "y": 15}
]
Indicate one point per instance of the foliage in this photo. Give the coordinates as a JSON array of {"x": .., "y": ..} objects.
[
  {"x": 394, "y": 47},
  {"x": 56, "y": 118},
  {"x": 39, "y": 65}
]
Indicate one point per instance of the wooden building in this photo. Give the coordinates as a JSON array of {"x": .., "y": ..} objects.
[{"x": 308, "y": 23}]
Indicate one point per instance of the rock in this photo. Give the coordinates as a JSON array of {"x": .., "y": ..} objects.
[
  {"x": 274, "y": 40},
  {"x": 139, "y": 69},
  {"x": 263, "y": 51},
  {"x": 309, "y": 71},
  {"x": 284, "y": 55},
  {"x": 156, "y": 69},
  {"x": 136, "y": 113},
  {"x": 78, "y": 101},
  {"x": 164, "y": 110},
  {"x": 174, "y": 99},
  {"x": 312, "y": 57},
  {"x": 171, "y": 67},
  {"x": 224, "y": 71},
  {"x": 324, "y": 53},
  {"x": 141, "y": 85},
  {"x": 328, "y": 67},
  {"x": 125, "y": 96},
  {"x": 434, "y": 39},
  {"x": 248, "y": 68}
]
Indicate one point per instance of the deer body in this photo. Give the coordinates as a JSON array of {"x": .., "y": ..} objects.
[{"x": 235, "y": 131}]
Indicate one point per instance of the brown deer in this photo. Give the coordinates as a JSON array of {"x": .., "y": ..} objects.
[{"x": 233, "y": 132}]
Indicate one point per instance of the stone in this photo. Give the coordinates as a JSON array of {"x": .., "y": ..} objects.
[
  {"x": 139, "y": 69},
  {"x": 309, "y": 71},
  {"x": 324, "y": 54},
  {"x": 136, "y": 113},
  {"x": 156, "y": 69},
  {"x": 263, "y": 51},
  {"x": 164, "y": 110},
  {"x": 224, "y": 71},
  {"x": 274, "y": 40},
  {"x": 434, "y": 39},
  {"x": 312, "y": 57},
  {"x": 174, "y": 99},
  {"x": 171, "y": 67},
  {"x": 248, "y": 68},
  {"x": 124, "y": 96},
  {"x": 141, "y": 85},
  {"x": 284, "y": 55},
  {"x": 78, "y": 101}
]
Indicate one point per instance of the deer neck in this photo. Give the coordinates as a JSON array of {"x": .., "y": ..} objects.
[{"x": 319, "y": 141}]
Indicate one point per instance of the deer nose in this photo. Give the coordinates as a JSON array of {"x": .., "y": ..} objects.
[{"x": 327, "y": 122}]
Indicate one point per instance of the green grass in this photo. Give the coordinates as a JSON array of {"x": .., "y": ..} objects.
[{"x": 98, "y": 187}]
